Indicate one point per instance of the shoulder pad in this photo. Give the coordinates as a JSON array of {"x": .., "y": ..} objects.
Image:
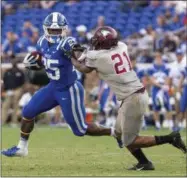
[
  {"x": 40, "y": 41},
  {"x": 66, "y": 44}
]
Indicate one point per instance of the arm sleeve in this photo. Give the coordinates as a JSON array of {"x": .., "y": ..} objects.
[{"x": 90, "y": 59}]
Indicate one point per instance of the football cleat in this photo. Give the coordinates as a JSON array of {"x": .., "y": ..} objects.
[
  {"x": 119, "y": 141},
  {"x": 143, "y": 167},
  {"x": 15, "y": 151},
  {"x": 177, "y": 142}
]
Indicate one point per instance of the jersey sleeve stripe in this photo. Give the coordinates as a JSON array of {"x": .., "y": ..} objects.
[
  {"x": 60, "y": 44},
  {"x": 41, "y": 40}
]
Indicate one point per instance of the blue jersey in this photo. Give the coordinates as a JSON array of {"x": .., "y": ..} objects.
[
  {"x": 160, "y": 73},
  {"x": 183, "y": 100},
  {"x": 184, "y": 74},
  {"x": 57, "y": 62},
  {"x": 140, "y": 72}
]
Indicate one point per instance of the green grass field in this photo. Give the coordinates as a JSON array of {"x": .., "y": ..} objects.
[{"x": 57, "y": 152}]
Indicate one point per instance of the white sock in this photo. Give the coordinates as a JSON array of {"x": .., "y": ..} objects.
[
  {"x": 158, "y": 124},
  {"x": 143, "y": 123},
  {"x": 171, "y": 123},
  {"x": 23, "y": 143},
  {"x": 113, "y": 132},
  {"x": 184, "y": 123},
  {"x": 180, "y": 124}
]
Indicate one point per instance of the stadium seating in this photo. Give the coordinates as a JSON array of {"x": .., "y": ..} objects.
[{"x": 87, "y": 12}]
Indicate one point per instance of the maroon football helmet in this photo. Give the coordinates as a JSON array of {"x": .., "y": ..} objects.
[{"x": 104, "y": 38}]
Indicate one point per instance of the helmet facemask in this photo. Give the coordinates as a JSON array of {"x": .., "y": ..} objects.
[{"x": 55, "y": 34}]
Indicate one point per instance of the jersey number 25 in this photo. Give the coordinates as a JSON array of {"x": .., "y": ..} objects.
[
  {"x": 119, "y": 65},
  {"x": 52, "y": 71}
]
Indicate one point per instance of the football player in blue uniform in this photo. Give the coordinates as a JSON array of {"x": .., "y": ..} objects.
[
  {"x": 159, "y": 80},
  {"x": 107, "y": 104},
  {"x": 183, "y": 100},
  {"x": 63, "y": 89}
]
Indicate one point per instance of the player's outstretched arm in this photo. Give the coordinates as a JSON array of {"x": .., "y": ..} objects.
[{"x": 81, "y": 66}]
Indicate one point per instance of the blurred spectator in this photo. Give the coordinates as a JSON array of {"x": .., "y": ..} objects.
[
  {"x": 28, "y": 28},
  {"x": 168, "y": 16},
  {"x": 175, "y": 23},
  {"x": 34, "y": 4},
  {"x": 146, "y": 40},
  {"x": 180, "y": 6},
  {"x": 11, "y": 45},
  {"x": 161, "y": 23},
  {"x": 132, "y": 42},
  {"x": 25, "y": 41},
  {"x": 13, "y": 79},
  {"x": 8, "y": 8},
  {"x": 47, "y": 4},
  {"x": 142, "y": 3},
  {"x": 100, "y": 23},
  {"x": 70, "y": 2},
  {"x": 184, "y": 20},
  {"x": 29, "y": 90},
  {"x": 81, "y": 34},
  {"x": 33, "y": 41},
  {"x": 168, "y": 44},
  {"x": 145, "y": 56},
  {"x": 29, "y": 36},
  {"x": 150, "y": 31},
  {"x": 183, "y": 43},
  {"x": 27, "y": 95},
  {"x": 38, "y": 78},
  {"x": 155, "y": 4}
]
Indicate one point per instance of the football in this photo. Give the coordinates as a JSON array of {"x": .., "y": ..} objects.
[
  {"x": 33, "y": 61},
  {"x": 37, "y": 56}
]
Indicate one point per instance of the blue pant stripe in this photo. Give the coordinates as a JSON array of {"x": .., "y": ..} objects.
[
  {"x": 73, "y": 104},
  {"x": 80, "y": 110}
]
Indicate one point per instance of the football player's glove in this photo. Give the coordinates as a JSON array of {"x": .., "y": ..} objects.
[
  {"x": 77, "y": 50},
  {"x": 33, "y": 61}
]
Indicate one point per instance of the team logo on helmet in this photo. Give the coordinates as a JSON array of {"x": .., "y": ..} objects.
[{"x": 105, "y": 32}]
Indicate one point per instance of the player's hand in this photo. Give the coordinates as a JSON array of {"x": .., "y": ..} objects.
[
  {"x": 33, "y": 61},
  {"x": 77, "y": 51}
]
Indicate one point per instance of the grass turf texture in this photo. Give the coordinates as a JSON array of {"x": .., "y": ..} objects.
[{"x": 57, "y": 152}]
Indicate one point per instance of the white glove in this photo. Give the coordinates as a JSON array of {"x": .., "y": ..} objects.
[{"x": 30, "y": 61}]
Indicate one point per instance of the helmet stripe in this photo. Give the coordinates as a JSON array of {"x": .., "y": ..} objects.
[{"x": 55, "y": 17}]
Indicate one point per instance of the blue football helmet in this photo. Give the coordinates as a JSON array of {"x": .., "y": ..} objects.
[{"x": 55, "y": 27}]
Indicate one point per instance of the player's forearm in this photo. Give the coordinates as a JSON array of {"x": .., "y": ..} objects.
[{"x": 80, "y": 66}]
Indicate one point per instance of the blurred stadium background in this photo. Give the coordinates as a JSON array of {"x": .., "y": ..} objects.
[{"x": 145, "y": 26}]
